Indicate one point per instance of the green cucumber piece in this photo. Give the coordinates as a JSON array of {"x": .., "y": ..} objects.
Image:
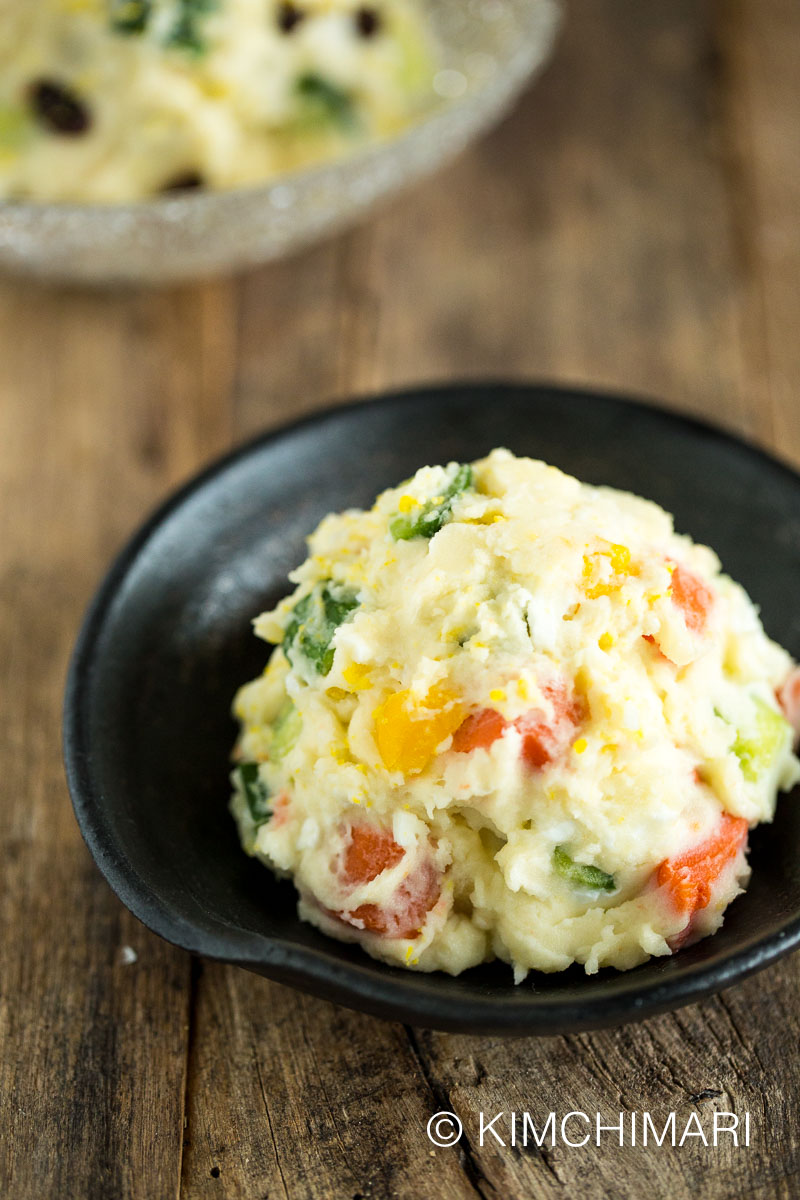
[
  {"x": 325, "y": 102},
  {"x": 130, "y": 16},
  {"x": 285, "y": 731},
  {"x": 313, "y": 622},
  {"x": 430, "y": 518},
  {"x": 758, "y": 747},
  {"x": 581, "y": 875},
  {"x": 256, "y": 793}
]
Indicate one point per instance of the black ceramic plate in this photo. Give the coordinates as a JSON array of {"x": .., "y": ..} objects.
[{"x": 168, "y": 640}]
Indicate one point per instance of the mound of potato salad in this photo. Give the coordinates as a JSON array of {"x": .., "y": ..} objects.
[
  {"x": 107, "y": 101},
  {"x": 512, "y": 716}
]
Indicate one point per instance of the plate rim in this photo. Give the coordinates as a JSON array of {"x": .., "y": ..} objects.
[{"x": 375, "y": 987}]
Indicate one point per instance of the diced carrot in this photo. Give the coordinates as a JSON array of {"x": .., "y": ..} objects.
[
  {"x": 371, "y": 850},
  {"x": 544, "y": 737},
  {"x": 693, "y": 597},
  {"x": 280, "y": 809},
  {"x": 410, "y": 905},
  {"x": 480, "y": 730},
  {"x": 537, "y": 739},
  {"x": 689, "y": 878},
  {"x": 789, "y": 699}
]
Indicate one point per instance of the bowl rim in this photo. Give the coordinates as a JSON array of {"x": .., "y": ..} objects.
[
  {"x": 525, "y": 58},
  {"x": 372, "y": 986}
]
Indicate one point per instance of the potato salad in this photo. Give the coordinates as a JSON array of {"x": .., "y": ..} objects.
[
  {"x": 107, "y": 101},
  {"x": 511, "y": 715}
]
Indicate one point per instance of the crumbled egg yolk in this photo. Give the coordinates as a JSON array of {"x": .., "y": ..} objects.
[
  {"x": 618, "y": 558},
  {"x": 357, "y": 676}
]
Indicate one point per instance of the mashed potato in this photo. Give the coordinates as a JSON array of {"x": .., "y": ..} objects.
[
  {"x": 116, "y": 100},
  {"x": 512, "y": 715}
]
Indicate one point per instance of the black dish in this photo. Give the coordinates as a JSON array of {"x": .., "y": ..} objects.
[{"x": 167, "y": 641}]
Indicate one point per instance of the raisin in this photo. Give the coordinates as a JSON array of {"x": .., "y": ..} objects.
[
  {"x": 59, "y": 109},
  {"x": 187, "y": 181},
  {"x": 368, "y": 22},
  {"x": 289, "y": 16}
]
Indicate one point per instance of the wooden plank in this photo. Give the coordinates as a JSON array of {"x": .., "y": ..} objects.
[
  {"x": 718, "y": 1056},
  {"x": 294, "y": 1097},
  {"x": 105, "y": 402},
  {"x": 289, "y": 334},
  {"x": 587, "y": 239},
  {"x": 760, "y": 41}
]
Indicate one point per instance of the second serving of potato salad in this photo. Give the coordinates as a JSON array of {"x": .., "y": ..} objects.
[
  {"x": 108, "y": 101},
  {"x": 511, "y": 715}
]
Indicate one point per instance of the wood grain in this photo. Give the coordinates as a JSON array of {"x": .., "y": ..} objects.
[
  {"x": 632, "y": 225},
  {"x": 759, "y": 53},
  {"x": 104, "y": 407},
  {"x": 335, "y": 1102}
]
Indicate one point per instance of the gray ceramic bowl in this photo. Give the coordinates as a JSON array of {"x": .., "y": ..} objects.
[{"x": 489, "y": 48}]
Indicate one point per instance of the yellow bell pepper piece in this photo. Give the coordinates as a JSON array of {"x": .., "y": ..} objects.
[{"x": 407, "y": 735}]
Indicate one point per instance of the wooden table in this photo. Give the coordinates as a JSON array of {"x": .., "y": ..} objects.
[{"x": 632, "y": 225}]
